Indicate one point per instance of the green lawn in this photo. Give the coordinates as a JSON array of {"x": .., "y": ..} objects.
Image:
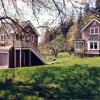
[
  {"x": 65, "y": 60},
  {"x": 68, "y": 78}
]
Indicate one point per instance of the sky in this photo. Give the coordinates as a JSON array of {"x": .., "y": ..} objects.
[{"x": 44, "y": 15}]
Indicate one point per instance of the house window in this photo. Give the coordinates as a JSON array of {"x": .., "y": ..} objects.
[
  {"x": 91, "y": 45},
  {"x": 94, "y": 45},
  {"x": 94, "y": 30},
  {"x": 33, "y": 38},
  {"x": 2, "y": 37},
  {"x": 79, "y": 45}
]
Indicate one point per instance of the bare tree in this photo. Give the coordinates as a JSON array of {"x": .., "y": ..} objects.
[
  {"x": 60, "y": 8},
  {"x": 98, "y": 5},
  {"x": 37, "y": 5}
]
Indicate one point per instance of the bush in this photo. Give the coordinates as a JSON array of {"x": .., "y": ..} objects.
[{"x": 50, "y": 58}]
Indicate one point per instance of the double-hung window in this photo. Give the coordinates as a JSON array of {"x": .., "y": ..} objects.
[
  {"x": 93, "y": 45},
  {"x": 94, "y": 30}
]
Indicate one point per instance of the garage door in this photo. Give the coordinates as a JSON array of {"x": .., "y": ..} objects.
[{"x": 3, "y": 59}]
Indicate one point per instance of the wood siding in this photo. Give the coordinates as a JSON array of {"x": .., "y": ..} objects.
[
  {"x": 28, "y": 47},
  {"x": 94, "y": 52},
  {"x": 10, "y": 40},
  {"x": 86, "y": 35}
]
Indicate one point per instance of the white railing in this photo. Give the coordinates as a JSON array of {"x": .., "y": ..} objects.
[
  {"x": 36, "y": 51},
  {"x": 23, "y": 44}
]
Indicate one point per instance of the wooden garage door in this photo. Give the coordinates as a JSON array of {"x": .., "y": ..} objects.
[{"x": 3, "y": 59}]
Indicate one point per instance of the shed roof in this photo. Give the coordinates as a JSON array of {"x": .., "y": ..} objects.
[{"x": 10, "y": 27}]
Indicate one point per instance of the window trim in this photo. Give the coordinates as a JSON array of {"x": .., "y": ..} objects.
[
  {"x": 78, "y": 45},
  {"x": 3, "y": 37},
  {"x": 93, "y": 45},
  {"x": 94, "y": 30},
  {"x": 32, "y": 38}
]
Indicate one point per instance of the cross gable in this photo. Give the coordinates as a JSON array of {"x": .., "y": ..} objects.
[
  {"x": 29, "y": 24},
  {"x": 94, "y": 20}
]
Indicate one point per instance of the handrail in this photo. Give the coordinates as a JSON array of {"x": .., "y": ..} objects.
[
  {"x": 39, "y": 54},
  {"x": 23, "y": 44}
]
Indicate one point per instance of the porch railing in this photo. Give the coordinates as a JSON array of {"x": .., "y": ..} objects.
[{"x": 22, "y": 44}]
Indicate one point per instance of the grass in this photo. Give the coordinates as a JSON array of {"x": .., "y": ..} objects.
[
  {"x": 64, "y": 59},
  {"x": 67, "y": 77}
]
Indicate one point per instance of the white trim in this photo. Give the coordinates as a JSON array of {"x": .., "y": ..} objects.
[
  {"x": 43, "y": 60},
  {"x": 7, "y": 48},
  {"x": 94, "y": 30},
  {"x": 93, "y": 45},
  {"x": 4, "y": 67},
  {"x": 3, "y": 51},
  {"x": 37, "y": 55},
  {"x": 94, "y": 53},
  {"x": 18, "y": 48},
  {"x": 90, "y": 23}
]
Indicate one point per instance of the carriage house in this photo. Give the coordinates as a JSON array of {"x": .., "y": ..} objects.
[
  {"x": 89, "y": 43},
  {"x": 19, "y": 49}
]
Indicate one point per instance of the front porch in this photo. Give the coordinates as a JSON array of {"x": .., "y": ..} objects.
[
  {"x": 79, "y": 46},
  {"x": 11, "y": 57},
  {"x": 91, "y": 48},
  {"x": 24, "y": 57}
]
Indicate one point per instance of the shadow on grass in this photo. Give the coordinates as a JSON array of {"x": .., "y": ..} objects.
[
  {"x": 76, "y": 82},
  {"x": 15, "y": 91},
  {"x": 10, "y": 90}
]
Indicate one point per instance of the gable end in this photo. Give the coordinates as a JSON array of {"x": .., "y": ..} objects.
[{"x": 90, "y": 23}]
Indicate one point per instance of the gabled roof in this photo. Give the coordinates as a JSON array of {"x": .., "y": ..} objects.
[
  {"x": 8, "y": 27},
  {"x": 90, "y": 23},
  {"x": 25, "y": 23}
]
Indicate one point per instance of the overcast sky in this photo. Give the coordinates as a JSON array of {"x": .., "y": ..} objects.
[{"x": 43, "y": 16}]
